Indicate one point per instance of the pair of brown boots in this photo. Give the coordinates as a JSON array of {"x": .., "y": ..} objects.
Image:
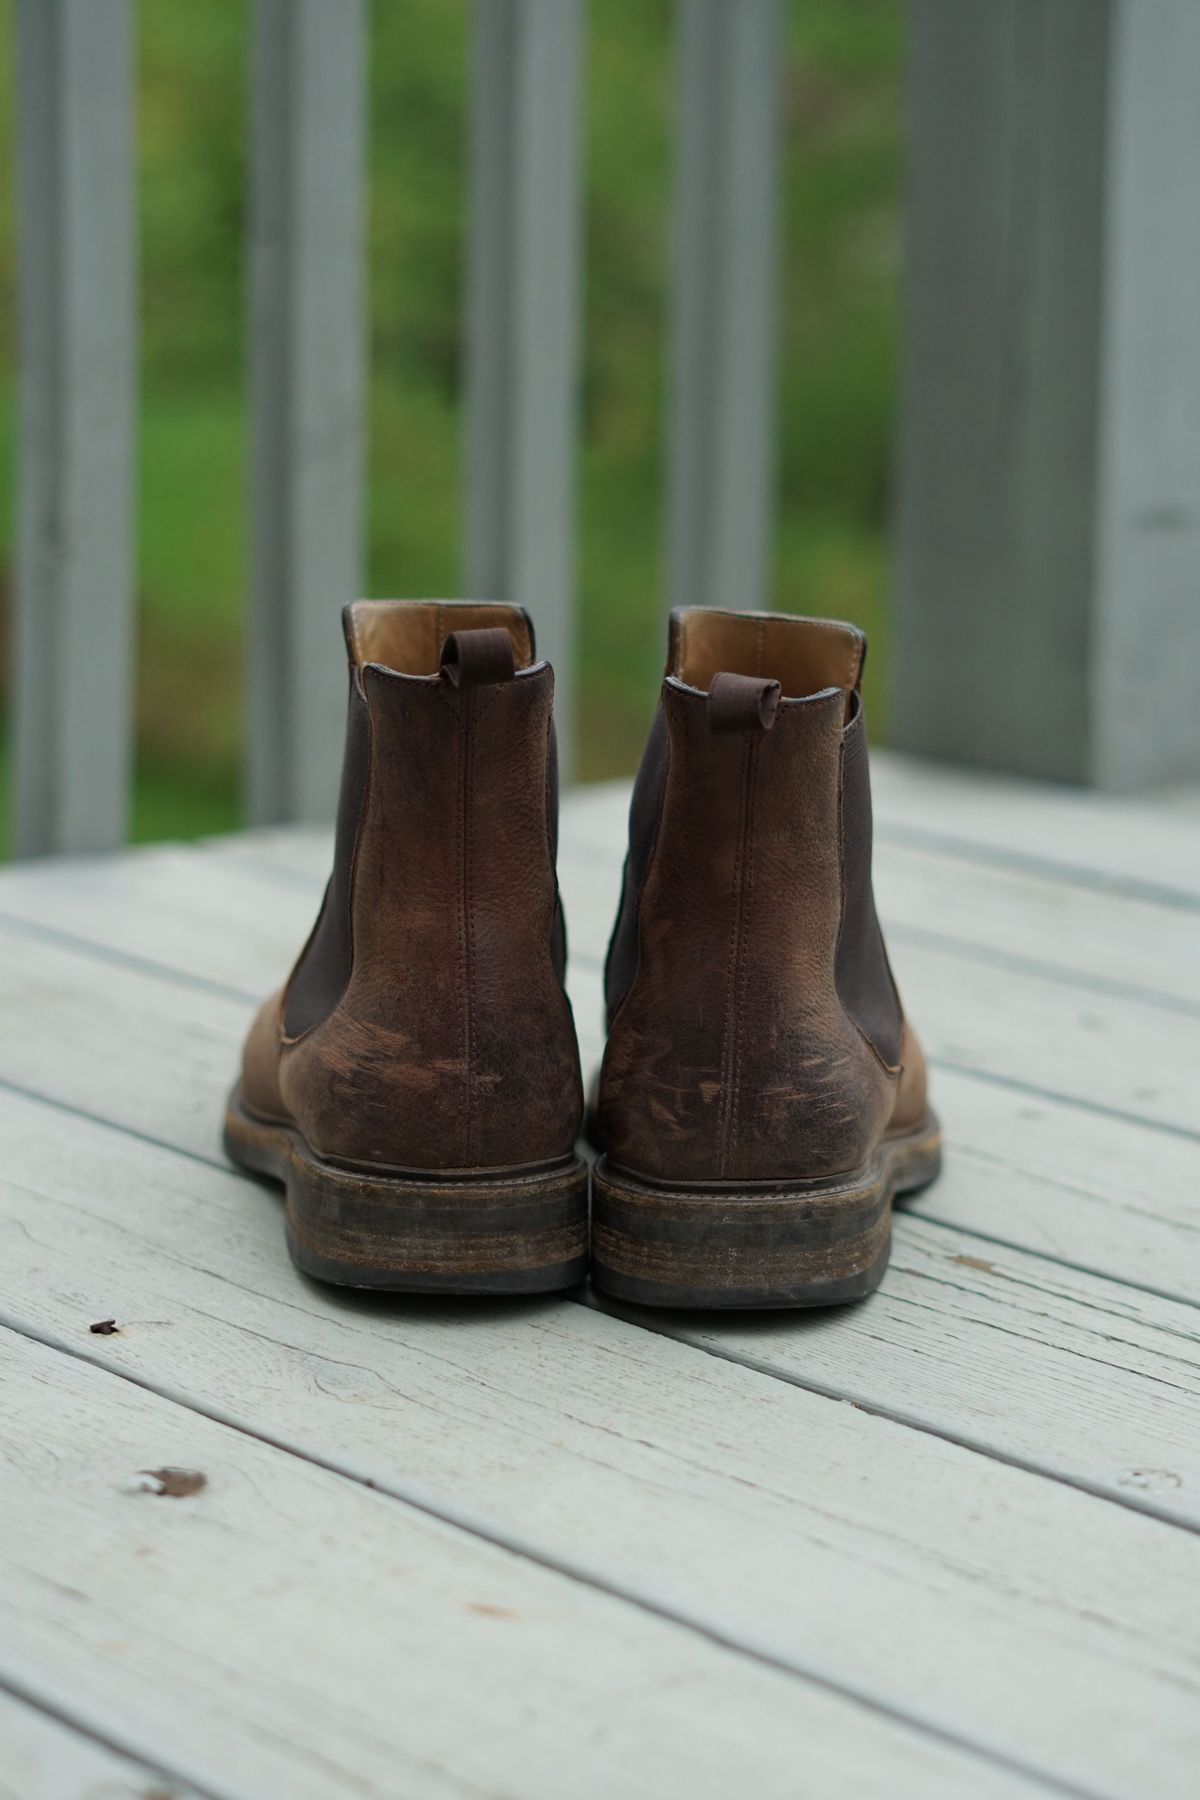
[{"x": 416, "y": 1085}]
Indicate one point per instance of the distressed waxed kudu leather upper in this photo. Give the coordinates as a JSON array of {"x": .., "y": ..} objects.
[
  {"x": 755, "y": 1033},
  {"x": 425, "y": 1024}
]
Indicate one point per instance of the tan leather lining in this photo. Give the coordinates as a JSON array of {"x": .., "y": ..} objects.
[
  {"x": 804, "y": 656},
  {"x": 406, "y": 636}
]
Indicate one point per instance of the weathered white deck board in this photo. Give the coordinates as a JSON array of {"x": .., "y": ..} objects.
[
  {"x": 1089, "y": 1189},
  {"x": 1131, "y": 841},
  {"x": 1024, "y": 1359},
  {"x": 1019, "y": 919},
  {"x": 773, "y": 1517},
  {"x": 285, "y": 1631},
  {"x": 993, "y": 1551},
  {"x": 41, "y": 1758},
  {"x": 169, "y": 1084}
]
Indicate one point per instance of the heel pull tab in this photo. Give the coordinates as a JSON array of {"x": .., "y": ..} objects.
[
  {"x": 477, "y": 658},
  {"x": 742, "y": 703}
]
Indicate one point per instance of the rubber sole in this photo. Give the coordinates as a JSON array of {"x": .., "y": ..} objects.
[
  {"x": 525, "y": 1232},
  {"x": 762, "y": 1245}
]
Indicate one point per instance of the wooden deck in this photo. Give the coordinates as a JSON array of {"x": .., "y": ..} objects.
[{"x": 944, "y": 1543}]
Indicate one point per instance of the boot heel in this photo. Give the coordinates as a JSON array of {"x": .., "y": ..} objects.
[
  {"x": 520, "y": 1233},
  {"x": 762, "y": 1244}
]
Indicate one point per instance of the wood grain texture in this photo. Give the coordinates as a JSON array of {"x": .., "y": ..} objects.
[
  {"x": 288, "y": 1632},
  {"x": 766, "y": 1514},
  {"x": 168, "y": 1082},
  {"x": 1080, "y": 1187},
  {"x": 993, "y": 1348},
  {"x": 1025, "y": 1359}
]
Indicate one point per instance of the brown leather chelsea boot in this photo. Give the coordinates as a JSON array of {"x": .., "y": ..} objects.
[
  {"x": 415, "y": 1086},
  {"x": 762, "y": 1097}
]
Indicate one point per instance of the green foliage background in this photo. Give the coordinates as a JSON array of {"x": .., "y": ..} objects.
[{"x": 837, "y": 316}]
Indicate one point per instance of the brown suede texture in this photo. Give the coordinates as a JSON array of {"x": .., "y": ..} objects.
[
  {"x": 912, "y": 1097},
  {"x": 451, "y": 1045},
  {"x": 260, "y": 1061},
  {"x": 755, "y": 1033}
]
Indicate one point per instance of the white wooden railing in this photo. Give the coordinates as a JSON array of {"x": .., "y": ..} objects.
[{"x": 1047, "y": 586}]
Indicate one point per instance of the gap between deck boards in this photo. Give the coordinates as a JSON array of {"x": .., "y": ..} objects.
[
  {"x": 487, "y": 1532},
  {"x": 982, "y": 1756},
  {"x": 108, "y": 1125},
  {"x": 700, "y": 1336},
  {"x": 170, "y": 974},
  {"x": 81, "y": 1751}
]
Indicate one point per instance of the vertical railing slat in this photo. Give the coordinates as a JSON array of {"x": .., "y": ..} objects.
[
  {"x": 1047, "y": 615},
  {"x": 522, "y": 321},
  {"x": 76, "y": 305},
  {"x": 308, "y": 362},
  {"x": 1145, "y": 721},
  {"x": 723, "y": 304}
]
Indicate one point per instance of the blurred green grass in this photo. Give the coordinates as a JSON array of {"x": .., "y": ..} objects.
[{"x": 837, "y": 328}]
